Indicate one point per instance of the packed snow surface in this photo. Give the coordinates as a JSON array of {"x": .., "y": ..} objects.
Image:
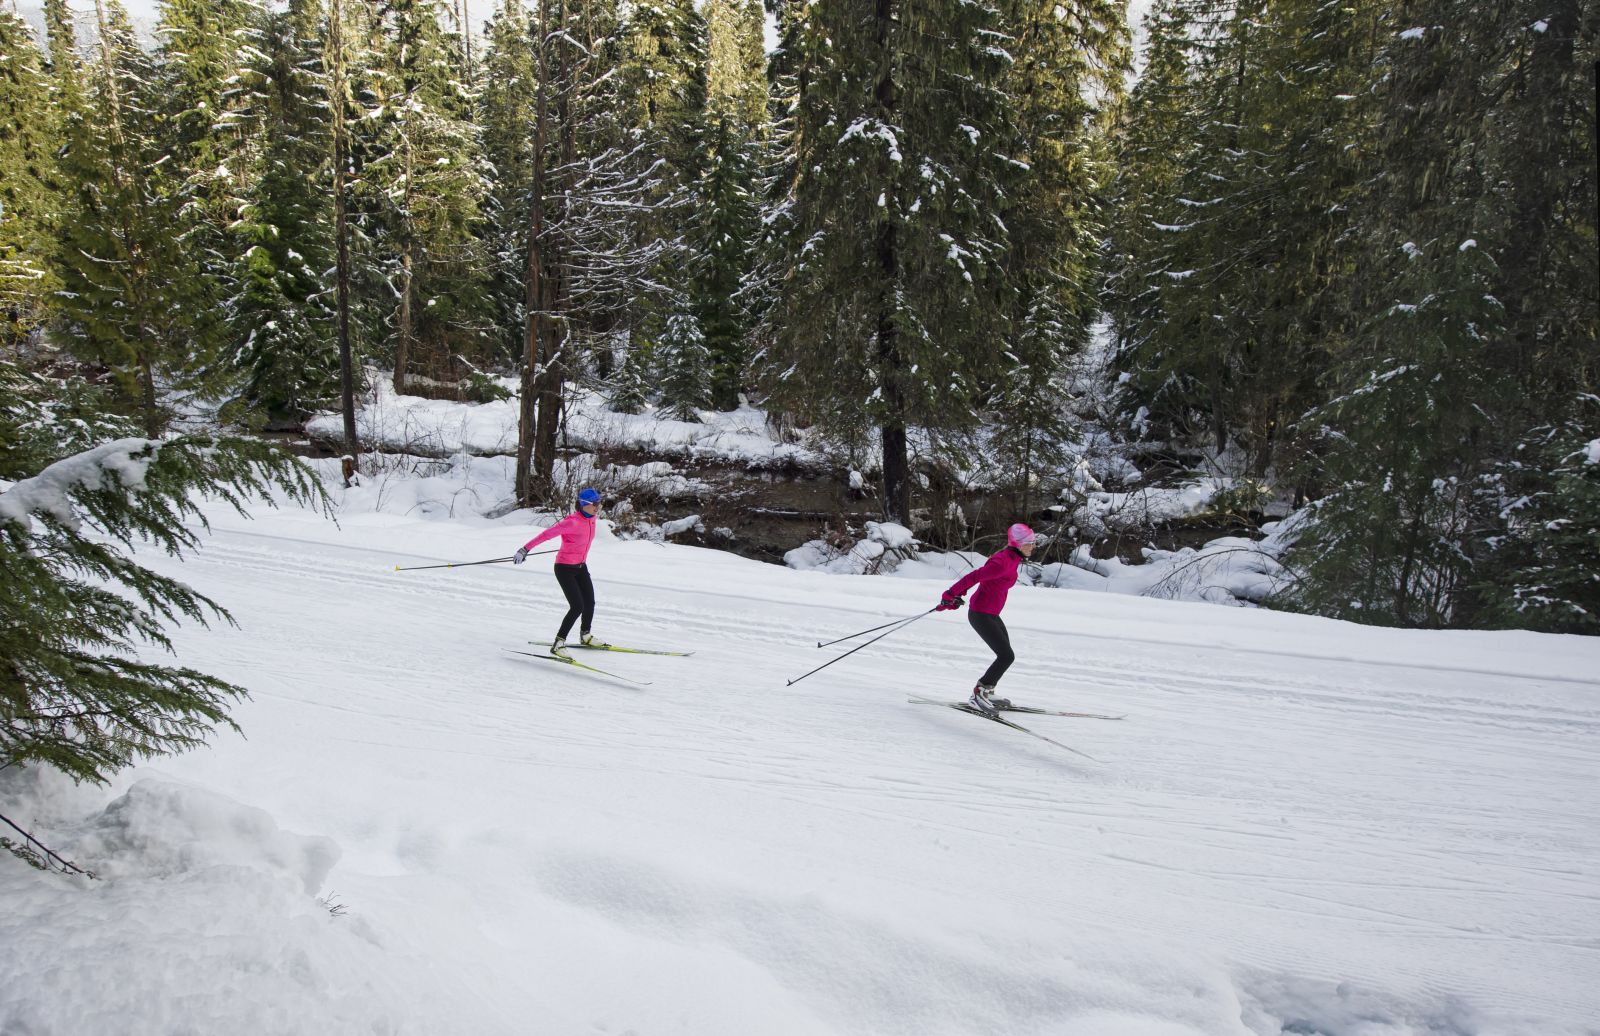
[{"x": 1302, "y": 826}]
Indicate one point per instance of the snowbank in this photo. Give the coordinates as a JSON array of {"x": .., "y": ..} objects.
[
  {"x": 1229, "y": 570},
  {"x": 440, "y": 428},
  {"x": 203, "y": 916}
]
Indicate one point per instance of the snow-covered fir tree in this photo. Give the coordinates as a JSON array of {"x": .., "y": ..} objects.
[
  {"x": 1463, "y": 391},
  {"x": 1065, "y": 78},
  {"x": 282, "y": 313},
  {"x": 130, "y": 292},
  {"x": 425, "y": 179},
  {"x": 686, "y": 376},
  {"x": 211, "y": 132},
  {"x": 1224, "y": 253},
  {"x": 896, "y": 286},
  {"x": 507, "y": 100}
]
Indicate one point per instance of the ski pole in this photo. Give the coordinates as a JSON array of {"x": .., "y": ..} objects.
[
  {"x": 901, "y": 625},
  {"x": 465, "y": 564},
  {"x": 863, "y": 633}
]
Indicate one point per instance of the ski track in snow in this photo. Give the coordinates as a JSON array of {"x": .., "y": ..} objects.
[{"x": 1273, "y": 837}]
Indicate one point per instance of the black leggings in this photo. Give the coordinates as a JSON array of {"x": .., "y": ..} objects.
[
  {"x": 994, "y": 634},
  {"x": 575, "y": 583}
]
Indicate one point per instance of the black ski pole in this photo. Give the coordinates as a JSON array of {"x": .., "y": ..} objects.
[
  {"x": 901, "y": 625},
  {"x": 841, "y": 640},
  {"x": 465, "y": 564}
]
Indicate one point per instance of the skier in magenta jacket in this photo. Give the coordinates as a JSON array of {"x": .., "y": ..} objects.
[
  {"x": 572, "y": 570},
  {"x": 994, "y": 579}
]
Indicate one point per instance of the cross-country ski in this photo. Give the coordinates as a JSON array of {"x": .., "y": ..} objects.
[
  {"x": 574, "y": 663},
  {"x": 973, "y": 710},
  {"x": 625, "y": 650},
  {"x": 1030, "y": 710}
]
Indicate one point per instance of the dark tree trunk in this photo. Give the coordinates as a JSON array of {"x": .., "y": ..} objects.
[
  {"x": 896, "y": 480},
  {"x": 402, "y": 346},
  {"x": 534, "y": 464},
  {"x": 341, "y": 232}
]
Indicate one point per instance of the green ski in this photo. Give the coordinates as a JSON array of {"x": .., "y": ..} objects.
[{"x": 575, "y": 663}]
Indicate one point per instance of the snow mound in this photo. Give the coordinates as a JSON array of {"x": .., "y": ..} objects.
[
  {"x": 884, "y": 548},
  {"x": 158, "y": 829},
  {"x": 204, "y": 917}
]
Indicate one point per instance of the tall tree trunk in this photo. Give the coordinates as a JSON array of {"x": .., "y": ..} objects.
[
  {"x": 126, "y": 176},
  {"x": 533, "y": 285},
  {"x": 896, "y": 481},
  {"x": 402, "y": 347},
  {"x": 558, "y": 342},
  {"x": 341, "y": 231},
  {"x": 147, "y": 386}
]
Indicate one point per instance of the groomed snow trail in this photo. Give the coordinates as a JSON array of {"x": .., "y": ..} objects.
[{"x": 1302, "y": 825}]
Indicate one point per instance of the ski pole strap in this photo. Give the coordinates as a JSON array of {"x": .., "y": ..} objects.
[{"x": 897, "y": 626}]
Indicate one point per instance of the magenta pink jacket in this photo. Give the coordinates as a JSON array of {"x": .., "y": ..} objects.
[
  {"x": 994, "y": 579},
  {"x": 576, "y": 531}
]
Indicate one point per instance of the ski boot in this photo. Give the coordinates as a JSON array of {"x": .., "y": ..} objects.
[{"x": 984, "y": 701}]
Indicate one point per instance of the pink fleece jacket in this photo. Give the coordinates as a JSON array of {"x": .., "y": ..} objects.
[
  {"x": 994, "y": 579},
  {"x": 576, "y": 531}
]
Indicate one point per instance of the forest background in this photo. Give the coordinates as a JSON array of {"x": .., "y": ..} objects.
[{"x": 1343, "y": 256}]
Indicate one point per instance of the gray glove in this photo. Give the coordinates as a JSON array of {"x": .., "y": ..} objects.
[{"x": 520, "y": 556}]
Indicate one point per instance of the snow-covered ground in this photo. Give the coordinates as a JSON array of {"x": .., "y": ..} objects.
[{"x": 1302, "y": 826}]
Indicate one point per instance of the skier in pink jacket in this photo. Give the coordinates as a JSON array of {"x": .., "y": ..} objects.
[
  {"x": 994, "y": 579},
  {"x": 572, "y": 570}
]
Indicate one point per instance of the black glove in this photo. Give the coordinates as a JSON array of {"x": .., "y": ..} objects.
[{"x": 950, "y": 602}]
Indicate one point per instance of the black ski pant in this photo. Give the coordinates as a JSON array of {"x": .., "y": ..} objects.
[
  {"x": 994, "y": 634},
  {"x": 575, "y": 583}
]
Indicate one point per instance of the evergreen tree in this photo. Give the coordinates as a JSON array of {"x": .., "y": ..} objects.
[
  {"x": 130, "y": 294},
  {"x": 722, "y": 236},
  {"x": 736, "y": 62},
  {"x": 1456, "y": 439},
  {"x": 663, "y": 74},
  {"x": 661, "y": 77},
  {"x": 1403, "y": 446},
  {"x": 1227, "y": 256},
  {"x": 775, "y": 159},
  {"x": 630, "y": 392},
  {"x": 721, "y": 243},
  {"x": 66, "y": 71},
  {"x": 1154, "y": 144},
  {"x": 74, "y": 606},
  {"x": 27, "y": 194},
  {"x": 425, "y": 179},
  {"x": 686, "y": 362},
  {"x": 507, "y": 108},
  {"x": 896, "y": 287},
  {"x": 282, "y": 314},
  {"x": 211, "y": 133},
  {"x": 1544, "y": 570},
  {"x": 1069, "y": 62}
]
